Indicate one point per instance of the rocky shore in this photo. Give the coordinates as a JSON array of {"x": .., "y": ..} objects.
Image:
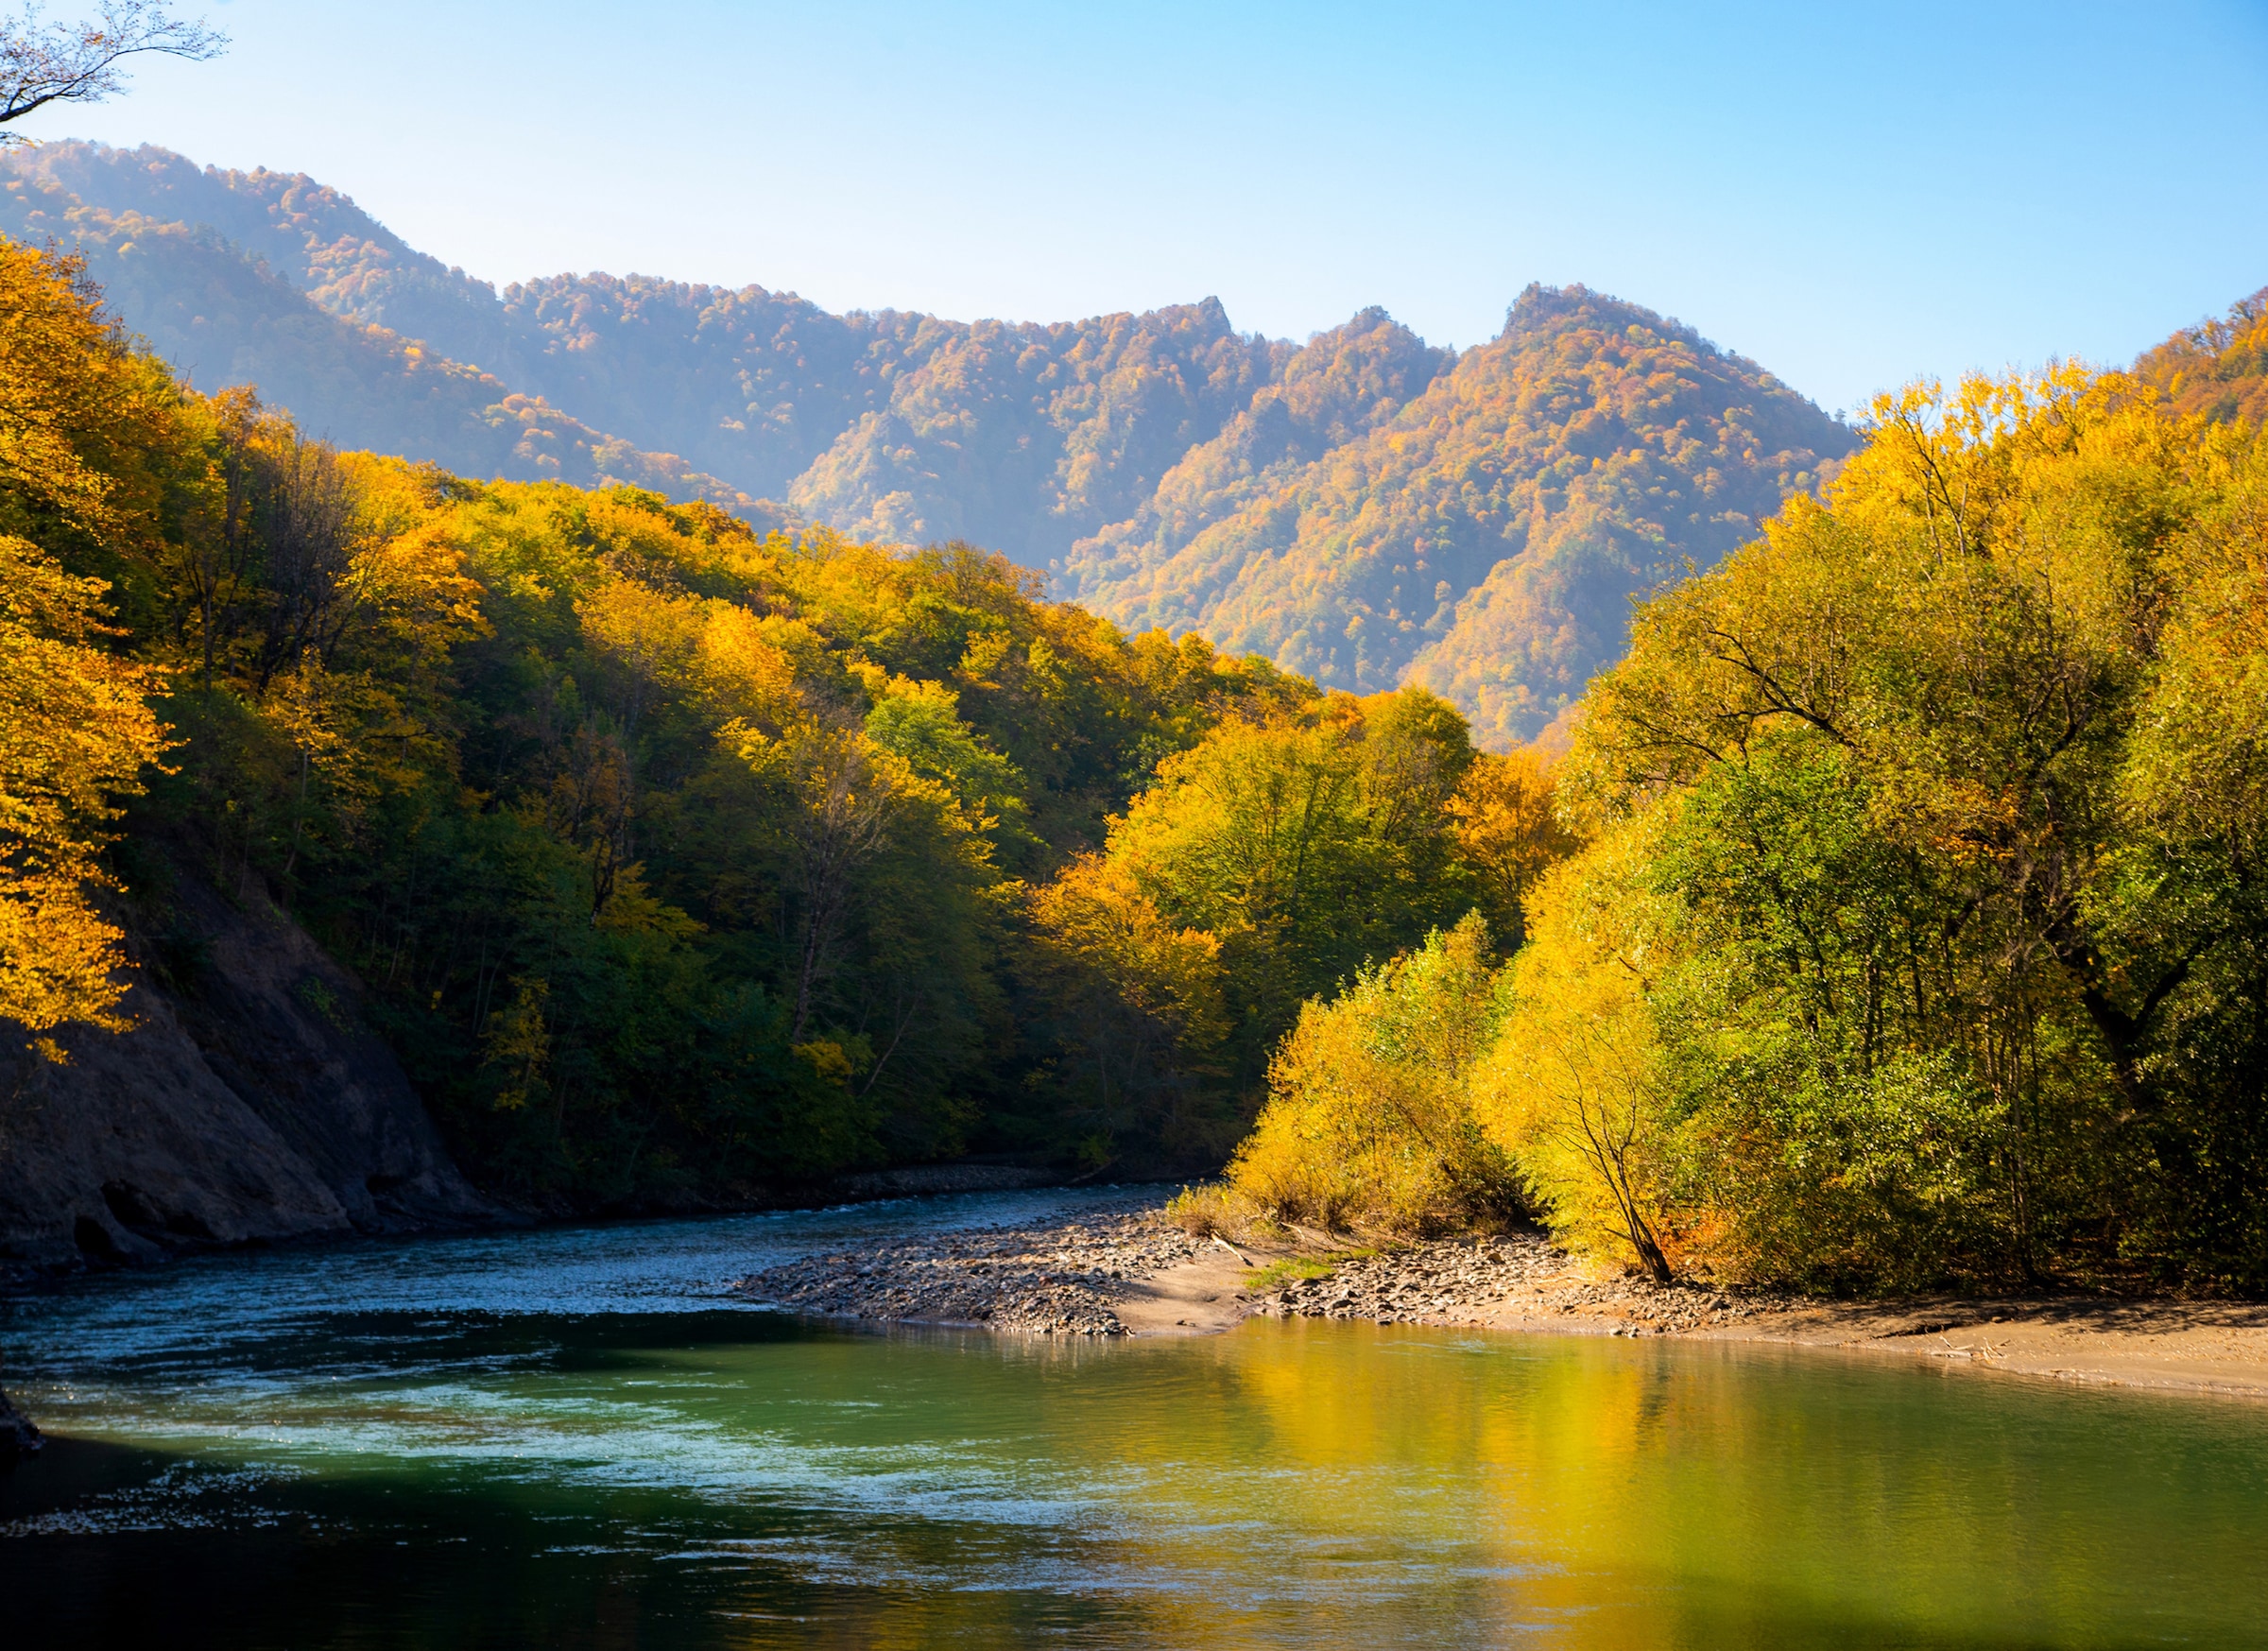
[
  {"x": 1474, "y": 1281},
  {"x": 1129, "y": 1271},
  {"x": 1082, "y": 1277},
  {"x": 1063, "y": 1280}
]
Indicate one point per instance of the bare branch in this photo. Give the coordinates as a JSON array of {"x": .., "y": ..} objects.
[{"x": 78, "y": 62}]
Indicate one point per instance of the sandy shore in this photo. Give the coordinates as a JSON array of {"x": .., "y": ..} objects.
[{"x": 1127, "y": 1272}]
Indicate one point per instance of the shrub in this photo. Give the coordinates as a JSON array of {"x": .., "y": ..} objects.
[{"x": 1368, "y": 1122}]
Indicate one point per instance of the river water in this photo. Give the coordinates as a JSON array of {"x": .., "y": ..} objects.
[{"x": 573, "y": 1437}]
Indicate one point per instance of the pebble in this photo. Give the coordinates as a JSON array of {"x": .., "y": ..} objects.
[
  {"x": 1053, "y": 1280},
  {"x": 1463, "y": 1279},
  {"x": 1064, "y": 1280}
]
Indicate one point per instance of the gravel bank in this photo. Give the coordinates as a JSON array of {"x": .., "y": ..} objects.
[
  {"x": 1061, "y": 1279},
  {"x": 1476, "y": 1280},
  {"x": 1127, "y": 1272},
  {"x": 1074, "y": 1277}
]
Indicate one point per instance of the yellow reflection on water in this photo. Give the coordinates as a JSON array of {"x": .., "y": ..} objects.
[
  {"x": 1356, "y": 1485},
  {"x": 1290, "y": 1484}
]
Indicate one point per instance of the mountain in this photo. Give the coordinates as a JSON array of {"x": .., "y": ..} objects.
[
  {"x": 223, "y": 313},
  {"x": 1485, "y": 538},
  {"x": 1365, "y": 508},
  {"x": 1020, "y": 437},
  {"x": 1343, "y": 384},
  {"x": 2218, "y": 368}
]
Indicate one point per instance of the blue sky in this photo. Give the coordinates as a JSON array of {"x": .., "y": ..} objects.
[{"x": 1852, "y": 194}]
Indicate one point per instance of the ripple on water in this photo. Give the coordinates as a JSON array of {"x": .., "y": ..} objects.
[{"x": 437, "y": 1437}]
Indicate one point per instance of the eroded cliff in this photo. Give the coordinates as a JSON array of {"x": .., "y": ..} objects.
[{"x": 251, "y": 1103}]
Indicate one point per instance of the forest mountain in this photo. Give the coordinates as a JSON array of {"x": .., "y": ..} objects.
[
  {"x": 2218, "y": 368},
  {"x": 1487, "y": 538},
  {"x": 1365, "y": 508}
]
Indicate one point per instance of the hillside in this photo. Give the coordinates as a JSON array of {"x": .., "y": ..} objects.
[
  {"x": 2218, "y": 368},
  {"x": 223, "y": 313},
  {"x": 1486, "y": 540},
  {"x": 1365, "y": 508},
  {"x": 669, "y": 860}
]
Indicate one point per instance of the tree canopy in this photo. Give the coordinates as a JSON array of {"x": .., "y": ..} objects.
[
  {"x": 1365, "y": 508},
  {"x": 1900, "y": 919},
  {"x": 678, "y": 856},
  {"x": 2218, "y": 368},
  {"x": 1922, "y": 934},
  {"x": 1896, "y": 917},
  {"x": 83, "y": 62}
]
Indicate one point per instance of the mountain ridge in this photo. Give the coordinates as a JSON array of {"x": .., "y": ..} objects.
[
  {"x": 1487, "y": 538},
  {"x": 221, "y": 313},
  {"x": 1364, "y": 507}
]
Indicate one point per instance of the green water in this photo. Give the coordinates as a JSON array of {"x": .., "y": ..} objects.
[{"x": 571, "y": 1438}]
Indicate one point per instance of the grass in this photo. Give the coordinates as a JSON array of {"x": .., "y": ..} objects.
[
  {"x": 1276, "y": 1274},
  {"x": 1206, "y": 1211}
]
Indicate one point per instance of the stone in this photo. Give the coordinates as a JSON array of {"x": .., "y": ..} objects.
[{"x": 18, "y": 1436}]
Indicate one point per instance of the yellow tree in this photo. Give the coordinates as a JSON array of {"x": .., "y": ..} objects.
[
  {"x": 1368, "y": 1119},
  {"x": 75, "y": 732},
  {"x": 1255, "y": 835},
  {"x": 848, "y": 792},
  {"x": 1576, "y": 1088},
  {"x": 1509, "y": 832},
  {"x": 55, "y": 359}
]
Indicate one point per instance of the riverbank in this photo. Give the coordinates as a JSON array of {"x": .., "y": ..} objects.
[
  {"x": 1127, "y": 1271},
  {"x": 1077, "y": 1278}
]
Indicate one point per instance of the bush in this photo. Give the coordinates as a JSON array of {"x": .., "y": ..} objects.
[
  {"x": 1368, "y": 1122},
  {"x": 1210, "y": 1212}
]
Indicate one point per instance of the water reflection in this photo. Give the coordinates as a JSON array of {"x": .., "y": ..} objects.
[{"x": 391, "y": 1447}]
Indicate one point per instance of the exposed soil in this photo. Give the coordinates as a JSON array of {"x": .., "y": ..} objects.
[
  {"x": 1127, "y": 1272},
  {"x": 2215, "y": 1346},
  {"x": 250, "y": 1103}
]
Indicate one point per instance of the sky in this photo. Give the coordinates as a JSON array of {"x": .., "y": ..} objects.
[{"x": 1852, "y": 196}]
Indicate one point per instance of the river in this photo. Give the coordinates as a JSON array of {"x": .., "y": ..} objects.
[{"x": 574, "y": 1437}]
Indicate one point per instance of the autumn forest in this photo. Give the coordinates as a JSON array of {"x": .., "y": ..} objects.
[{"x": 1882, "y": 904}]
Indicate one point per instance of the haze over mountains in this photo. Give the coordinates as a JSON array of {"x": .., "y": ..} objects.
[{"x": 1365, "y": 508}]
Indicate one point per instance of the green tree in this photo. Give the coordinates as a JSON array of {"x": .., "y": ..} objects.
[{"x": 1936, "y": 951}]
